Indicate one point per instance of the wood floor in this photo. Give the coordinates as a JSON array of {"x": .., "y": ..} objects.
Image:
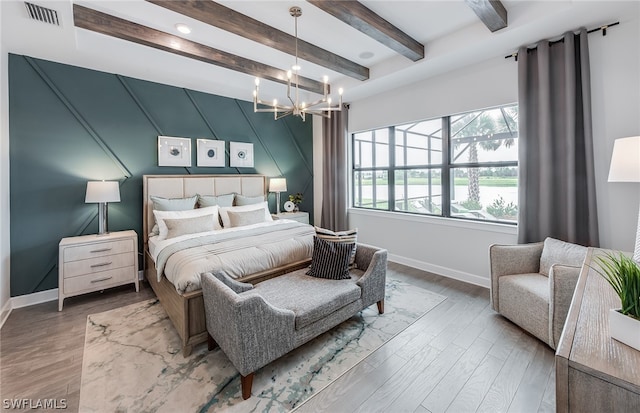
[{"x": 460, "y": 357}]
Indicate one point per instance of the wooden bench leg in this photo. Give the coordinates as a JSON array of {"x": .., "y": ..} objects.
[
  {"x": 186, "y": 350},
  {"x": 211, "y": 343},
  {"x": 247, "y": 382},
  {"x": 381, "y": 307}
]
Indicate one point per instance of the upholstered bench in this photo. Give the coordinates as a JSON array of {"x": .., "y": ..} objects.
[{"x": 255, "y": 325}]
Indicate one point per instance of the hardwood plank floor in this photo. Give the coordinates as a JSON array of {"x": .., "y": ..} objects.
[{"x": 459, "y": 357}]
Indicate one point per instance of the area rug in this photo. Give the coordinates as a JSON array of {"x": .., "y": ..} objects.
[{"x": 133, "y": 362}]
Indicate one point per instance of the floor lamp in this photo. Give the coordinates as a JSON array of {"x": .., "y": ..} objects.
[{"x": 625, "y": 167}]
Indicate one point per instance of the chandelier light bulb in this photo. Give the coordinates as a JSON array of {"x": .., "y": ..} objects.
[
  {"x": 325, "y": 79},
  {"x": 257, "y": 81},
  {"x": 289, "y": 74},
  {"x": 340, "y": 91},
  {"x": 275, "y": 102},
  {"x": 295, "y": 68}
]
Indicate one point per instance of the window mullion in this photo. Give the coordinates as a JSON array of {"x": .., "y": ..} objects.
[
  {"x": 445, "y": 180},
  {"x": 391, "y": 172}
]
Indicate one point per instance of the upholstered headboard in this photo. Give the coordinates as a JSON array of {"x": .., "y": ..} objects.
[{"x": 181, "y": 186}]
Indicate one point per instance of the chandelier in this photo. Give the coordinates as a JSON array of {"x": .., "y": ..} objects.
[{"x": 321, "y": 107}]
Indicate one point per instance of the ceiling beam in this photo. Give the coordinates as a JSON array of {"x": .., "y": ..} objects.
[
  {"x": 99, "y": 22},
  {"x": 364, "y": 19},
  {"x": 491, "y": 12},
  {"x": 227, "y": 19}
]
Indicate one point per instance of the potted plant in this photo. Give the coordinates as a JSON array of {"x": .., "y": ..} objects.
[
  {"x": 296, "y": 199},
  {"x": 623, "y": 274}
]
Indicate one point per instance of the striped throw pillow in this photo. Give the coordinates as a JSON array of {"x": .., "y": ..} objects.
[
  {"x": 350, "y": 236},
  {"x": 330, "y": 259}
]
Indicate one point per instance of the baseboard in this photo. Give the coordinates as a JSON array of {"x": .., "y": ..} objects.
[
  {"x": 443, "y": 271},
  {"x": 33, "y": 299},
  {"x": 4, "y": 313}
]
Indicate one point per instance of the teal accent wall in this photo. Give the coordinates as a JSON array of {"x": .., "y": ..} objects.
[{"x": 69, "y": 125}]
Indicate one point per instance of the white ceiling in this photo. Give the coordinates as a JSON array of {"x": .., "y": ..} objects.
[{"x": 453, "y": 37}]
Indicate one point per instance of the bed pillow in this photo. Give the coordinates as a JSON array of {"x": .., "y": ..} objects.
[
  {"x": 171, "y": 204},
  {"x": 242, "y": 218},
  {"x": 220, "y": 200},
  {"x": 192, "y": 213},
  {"x": 242, "y": 200},
  {"x": 226, "y": 222},
  {"x": 348, "y": 237},
  {"x": 183, "y": 226},
  {"x": 330, "y": 259}
]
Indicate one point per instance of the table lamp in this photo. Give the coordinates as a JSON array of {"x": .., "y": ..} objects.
[
  {"x": 278, "y": 185},
  {"x": 625, "y": 167},
  {"x": 102, "y": 192}
]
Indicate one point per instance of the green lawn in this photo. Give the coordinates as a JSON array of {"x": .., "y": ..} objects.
[{"x": 484, "y": 181}]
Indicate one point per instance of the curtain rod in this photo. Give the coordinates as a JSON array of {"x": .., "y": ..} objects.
[{"x": 604, "y": 33}]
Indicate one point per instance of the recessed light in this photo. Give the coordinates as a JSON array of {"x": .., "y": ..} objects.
[
  {"x": 183, "y": 28},
  {"x": 366, "y": 55}
]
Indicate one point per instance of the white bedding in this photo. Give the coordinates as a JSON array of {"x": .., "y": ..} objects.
[{"x": 239, "y": 251}]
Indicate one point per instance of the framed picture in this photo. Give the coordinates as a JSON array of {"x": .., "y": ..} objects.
[
  {"x": 211, "y": 152},
  {"x": 174, "y": 151},
  {"x": 241, "y": 154}
]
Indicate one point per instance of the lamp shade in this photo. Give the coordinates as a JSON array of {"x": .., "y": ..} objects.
[
  {"x": 625, "y": 160},
  {"x": 102, "y": 191},
  {"x": 278, "y": 185}
]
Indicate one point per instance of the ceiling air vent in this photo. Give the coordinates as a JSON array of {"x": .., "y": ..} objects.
[{"x": 42, "y": 14}]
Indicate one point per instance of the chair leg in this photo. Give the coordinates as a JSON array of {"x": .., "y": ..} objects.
[
  {"x": 247, "y": 382},
  {"x": 211, "y": 343},
  {"x": 381, "y": 306}
]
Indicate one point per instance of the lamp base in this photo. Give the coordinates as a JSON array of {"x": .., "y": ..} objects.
[
  {"x": 278, "y": 203},
  {"x": 103, "y": 218}
]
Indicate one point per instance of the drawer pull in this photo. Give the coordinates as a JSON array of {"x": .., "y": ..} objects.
[
  {"x": 101, "y": 250},
  {"x": 104, "y": 264},
  {"x": 101, "y": 279}
]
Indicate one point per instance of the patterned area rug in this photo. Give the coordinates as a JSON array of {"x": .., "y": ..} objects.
[{"x": 133, "y": 363}]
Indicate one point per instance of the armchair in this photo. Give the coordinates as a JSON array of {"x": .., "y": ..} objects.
[{"x": 532, "y": 284}]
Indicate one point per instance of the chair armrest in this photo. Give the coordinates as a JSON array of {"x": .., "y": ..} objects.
[
  {"x": 509, "y": 260},
  {"x": 562, "y": 284},
  {"x": 374, "y": 263},
  {"x": 249, "y": 330}
]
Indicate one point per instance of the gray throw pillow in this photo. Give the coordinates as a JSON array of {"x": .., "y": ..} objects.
[
  {"x": 184, "y": 226},
  {"x": 242, "y": 200},
  {"x": 555, "y": 251},
  {"x": 330, "y": 259},
  {"x": 242, "y": 218},
  {"x": 220, "y": 200}
]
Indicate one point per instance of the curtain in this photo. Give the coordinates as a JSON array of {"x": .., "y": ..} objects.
[
  {"x": 334, "y": 172},
  {"x": 557, "y": 179}
]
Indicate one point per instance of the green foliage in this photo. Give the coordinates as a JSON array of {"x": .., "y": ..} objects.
[
  {"x": 296, "y": 198},
  {"x": 471, "y": 204},
  {"x": 500, "y": 209},
  {"x": 623, "y": 274}
]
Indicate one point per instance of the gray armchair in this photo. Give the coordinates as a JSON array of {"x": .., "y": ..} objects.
[{"x": 533, "y": 284}]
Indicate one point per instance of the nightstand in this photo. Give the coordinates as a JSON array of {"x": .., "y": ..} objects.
[
  {"x": 296, "y": 216},
  {"x": 94, "y": 262}
]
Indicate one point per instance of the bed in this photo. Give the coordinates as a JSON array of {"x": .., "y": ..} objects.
[{"x": 186, "y": 309}]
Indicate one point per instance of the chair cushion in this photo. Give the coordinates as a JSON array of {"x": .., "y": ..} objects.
[
  {"x": 308, "y": 297},
  {"x": 560, "y": 252},
  {"x": 524, "y": 299}
]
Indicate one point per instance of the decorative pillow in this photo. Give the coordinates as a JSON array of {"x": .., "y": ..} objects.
[
  {"x": 184, "y": 226},
  {"x": 224, "y": 215},
  {"x": 220, "y": 200},
  {"x": 242, "y": 218},
  {"x": 242, "y": 200},
  {"x": 330, "y": 259},
  {"x": 171, "y": 204},
  {"x": 192, "y": 213},
  {"x": 555, "y": 251},
  {"x": 350, "y": 236}
]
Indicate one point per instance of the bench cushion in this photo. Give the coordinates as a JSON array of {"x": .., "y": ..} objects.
[
  {"x": 308, "y": 297},
  {"x": 524, "y": 299}
]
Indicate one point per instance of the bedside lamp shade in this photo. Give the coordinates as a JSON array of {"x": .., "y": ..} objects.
[
  {"x": 625, "y": 167},
  {"x": 101, "y": 193},
  {"x": 278, "y": 185}
]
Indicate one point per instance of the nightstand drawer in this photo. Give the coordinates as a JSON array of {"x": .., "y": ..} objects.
[
  {"x": 99, "y": 280},
  {"x": 97, "y": 249},
  {"x": 97, "y": 264}
]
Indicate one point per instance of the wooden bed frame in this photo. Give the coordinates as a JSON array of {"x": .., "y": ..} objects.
[{"x": 186, "y": 311}]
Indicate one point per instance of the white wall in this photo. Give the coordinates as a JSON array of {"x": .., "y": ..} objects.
[
  {"x": 460, "y": 250},
  {"x": 4, "y": 182}
]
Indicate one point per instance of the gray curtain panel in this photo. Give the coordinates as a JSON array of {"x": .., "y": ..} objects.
[
  {"x": 334, "y": 173},
  {"x": 557, "y": 183}
]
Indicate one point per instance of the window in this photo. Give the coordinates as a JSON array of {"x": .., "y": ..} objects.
[{"x": 463, "y": 166}]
